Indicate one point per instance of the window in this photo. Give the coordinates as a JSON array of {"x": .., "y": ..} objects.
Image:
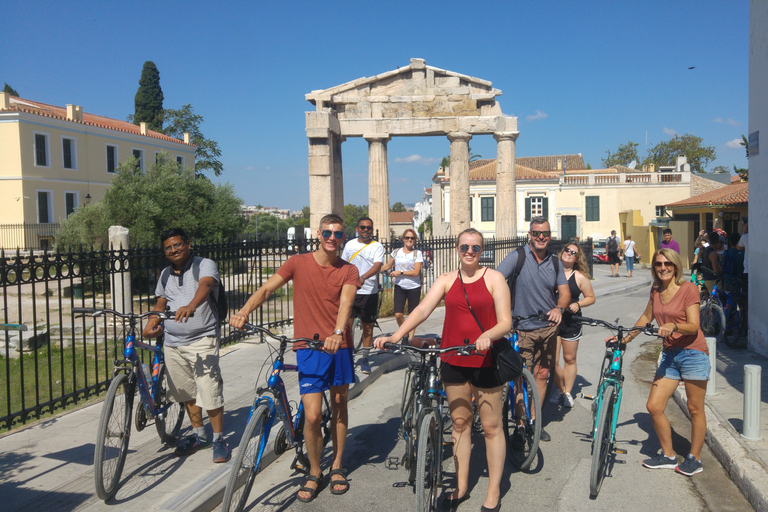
[
  {"x": 180, "y": 160},
  {"x": 41, "y": 150},
  {"x": 111, "y": 158},
  {"x": 71, "y": 201},
  {"x": 661, "y": 210},
  {"x": 44, "y": 206},
  {"x": 593, "y": 208},
  {"x": 69, "y": 153},
  {"x": 486, "y": 209},
  {"x": 138, "y": 154},
  {"x": 537, "y": 206},
  {"x": 158, "y": 159}
]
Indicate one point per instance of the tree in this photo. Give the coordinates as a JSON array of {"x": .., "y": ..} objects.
[
  {"x": 10, "y": 90},
  {"x": 623, "y": 155},
  {"x": 445, "y": 162},
  {"x": 184, "y": 120},
  {"x": 398, "y": 207},
  {"x": 721, "y": 169},
  {"x": 742, "y": 172},
  {"x": 266, "y": 225},
  {"x": 167, "y": 195},
  {"x": 352, "y": 213},
  {"x": 665, "y": 152},
  {"x": 426, "y": 226},
  {"x": 148, "y": 102}
]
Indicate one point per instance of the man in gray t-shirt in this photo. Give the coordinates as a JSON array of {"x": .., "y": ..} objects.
[
  {"x": 191, "y": 348},
  {"x": 539, "y": 288}
]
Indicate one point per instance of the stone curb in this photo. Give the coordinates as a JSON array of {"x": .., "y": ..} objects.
[{"x": 209, "y": 491}]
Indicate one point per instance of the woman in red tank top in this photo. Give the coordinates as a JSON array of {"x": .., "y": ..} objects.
[{"x": 464, "y": 376}]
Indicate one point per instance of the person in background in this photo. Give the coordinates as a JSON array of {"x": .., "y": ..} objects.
[
  {"x": 630, "y": 251},
  {"x": 667, "y": 242},
  {"x": 612, "y": 247},
  {"x": 742, "y": 246},
  {"x": 699, "y": 245},
  {"x": 407, "y": 262}
]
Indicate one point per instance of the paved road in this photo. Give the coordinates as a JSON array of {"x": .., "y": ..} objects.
[{"x": 560, "y": 477}]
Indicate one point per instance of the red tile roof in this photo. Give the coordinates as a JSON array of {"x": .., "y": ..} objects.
[
  {"x": 52, "y": 111},
  {"x": 400, "y": 217},
  {"x": 730, "y": 195}
]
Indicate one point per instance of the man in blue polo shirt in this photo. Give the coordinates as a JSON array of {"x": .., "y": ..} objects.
[{"x": 540, "y": 286}]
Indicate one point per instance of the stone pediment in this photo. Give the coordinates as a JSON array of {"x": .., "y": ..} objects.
[{"x": 436, "y": 101}]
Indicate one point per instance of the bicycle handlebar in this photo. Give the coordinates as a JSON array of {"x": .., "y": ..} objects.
[
  {"x": 96, "y": 312},
  {"x": 464, "y": 350},
  {"x": 315, "y": 343},
  {"x": 646, "y": 329}
]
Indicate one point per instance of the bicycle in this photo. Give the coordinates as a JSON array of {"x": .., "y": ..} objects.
[
  {"x": 607, "y": 400},
  {"x": 271, "y": 405},
  {"x": 712, "y": 316},
  {"x": 522, "y": 407},
  {"x": 735, "y": 312},
  {"x": 115, "y": 424},
  {"x": 423, "y": 400}
]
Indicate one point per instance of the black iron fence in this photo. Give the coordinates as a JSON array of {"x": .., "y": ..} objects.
[
  {"x": 28, "y": 236},
  {"x": 63, "y": 360}
]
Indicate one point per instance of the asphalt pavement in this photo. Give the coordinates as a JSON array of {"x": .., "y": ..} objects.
[{"x": 49, "y": 465}]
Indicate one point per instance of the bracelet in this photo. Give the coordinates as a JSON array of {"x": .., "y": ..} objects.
[{"x": 675, "y": 327}]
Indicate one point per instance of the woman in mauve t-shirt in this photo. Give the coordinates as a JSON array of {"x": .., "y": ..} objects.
[{"x": 674, "y": 305}]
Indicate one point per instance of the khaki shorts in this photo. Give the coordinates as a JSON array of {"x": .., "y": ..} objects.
[
  {"x": 194, "y": 373},
  {"x": 539, "y": 346}
]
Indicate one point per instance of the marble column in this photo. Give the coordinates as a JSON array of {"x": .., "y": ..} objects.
[
  {"x": 378, "y": 184},
  {"x": 459, "y": 202},
  {"x": 506, "y": 195},
  {"x": 338, "y": 177},
  {"x": 321, "y": 185}
]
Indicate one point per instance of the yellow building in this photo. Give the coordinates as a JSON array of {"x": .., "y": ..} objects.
[{"x": 56, "y": 158}]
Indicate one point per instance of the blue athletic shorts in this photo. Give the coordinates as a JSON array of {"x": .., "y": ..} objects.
[
  {"x": 318, "y": 370},
  {"x": 684, "y": 364}
]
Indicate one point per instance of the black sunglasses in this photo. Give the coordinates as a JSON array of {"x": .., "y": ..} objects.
[
  {"x": 571, "y": 252},
  {"x": 659, "y": 264},
  {"x": 463, "y": 248},
  {"x": 545, "y": 234},
  {"x": 409, "y": 238},
  {"x": 365, "y": 228},
  {"x": 327, "y": 234}
]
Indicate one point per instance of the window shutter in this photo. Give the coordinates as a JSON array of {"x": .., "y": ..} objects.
[
  {"x": 545, "y": 207},
  {"x": 527, "y": 209}
]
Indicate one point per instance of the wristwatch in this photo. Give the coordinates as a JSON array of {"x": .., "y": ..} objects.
[
  {"x": 339, "y": 332},
  {"x": 561, "y": 309}
]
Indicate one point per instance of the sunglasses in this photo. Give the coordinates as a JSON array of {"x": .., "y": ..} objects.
[
  {"x": 463, "y": 248},
  {"x": 571, "y": 252},
  {"x": 659, "y": 264},
  {"x": 537, "y": 234},
  {"x": 365, "y": 228},
  {"x": 174, "y": 247},
  {"x": 409, "y": 238},
  {"x": 327, "y": 234}
]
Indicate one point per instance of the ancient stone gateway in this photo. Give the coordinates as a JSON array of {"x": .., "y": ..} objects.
[{"x": 415, "y": 100}]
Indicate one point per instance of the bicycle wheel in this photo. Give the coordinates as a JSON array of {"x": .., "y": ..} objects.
[
  {"x": 113, "y": 436},
  {"x": 601, "y": 444},
  {"x": 357, "y": 335},
  {"x": 428, "y": 461},
  {"x": 408, "y": 417},
  {"x": 712, "y": 320},
  {"x": 246, "y": 464},
  {"x": 168, "y": 423},
  {"x": 523, "y": 431}
]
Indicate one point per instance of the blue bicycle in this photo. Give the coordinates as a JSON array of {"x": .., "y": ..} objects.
[
  {"x": 155, "y": 404},
  {"x": 271, "y": 407}
]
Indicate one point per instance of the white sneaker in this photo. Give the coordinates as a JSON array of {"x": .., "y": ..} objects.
[
  {"x": 568, "y": 400},
  {"x": 556, "y": 397}
]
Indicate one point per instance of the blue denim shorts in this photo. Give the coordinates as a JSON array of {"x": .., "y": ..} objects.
[
  {"x": 319, "y": 370},
  {"x": 684, "y": 364}
]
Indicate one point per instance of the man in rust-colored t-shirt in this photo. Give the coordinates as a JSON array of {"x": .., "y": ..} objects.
[{"x": 324, "y": 288}]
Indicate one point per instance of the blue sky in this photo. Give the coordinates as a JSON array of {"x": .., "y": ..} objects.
[{"x": 582, "y": 77}]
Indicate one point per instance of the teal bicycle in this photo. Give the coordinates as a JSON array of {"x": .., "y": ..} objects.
[{"x": 607, "y": 400}]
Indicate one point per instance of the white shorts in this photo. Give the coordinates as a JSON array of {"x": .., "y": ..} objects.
[{"x": 194, "y": 373}]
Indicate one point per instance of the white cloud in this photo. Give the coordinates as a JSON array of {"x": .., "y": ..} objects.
[
  {"x": 670, "y": 131},
  {"x": 250, "y": 168},
  {"x": 718, "y": 120},
  {"x": 416, "y": 159},
  {"x": 538, "y": 115},
  {"x": 733, "y": 123},
  {"x": 729, "y": 121},
  {"x": 734, "y": 144}
]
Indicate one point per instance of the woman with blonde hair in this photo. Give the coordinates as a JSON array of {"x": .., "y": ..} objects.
[
  {"x": 569, "y": 332},
  {"x": 407, "y": 276},
  {"x": 674, "y": 305}
]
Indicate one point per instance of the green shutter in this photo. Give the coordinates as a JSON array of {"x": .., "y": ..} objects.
[
  {"x": 527, "y": 209},
  {"x": 545, "y": 207}
]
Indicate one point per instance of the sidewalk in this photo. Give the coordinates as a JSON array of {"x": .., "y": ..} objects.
[{"x": 48, "y": 466}]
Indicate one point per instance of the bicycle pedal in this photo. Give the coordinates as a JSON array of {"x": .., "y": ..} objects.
[
  {"x": 620, "y": 451},
  {"x": 296, "y": 465},
  {"x": 588, "y": 397},
  {"x": 392, "y": 463},
  {"x": 447, "y": 443}
]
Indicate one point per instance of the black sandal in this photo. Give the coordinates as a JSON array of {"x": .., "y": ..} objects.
[
  {"x": 312, "y": 492},
  {"x": 333, "y": 483}
]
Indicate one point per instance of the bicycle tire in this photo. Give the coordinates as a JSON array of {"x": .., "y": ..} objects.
[
  {"x": 429, "y": 456},
  {"x": 601, "y": 444},
  {"x": 113, "y": 435},
  {"x": 408, "y": 417},
  {"x": 522, "y": 455},
  {"x": 357, "y": 335},
  {"x": 245, "y": 466},
  {"x": 169, "y": 423},
  {"x": 712, "y": 320}
]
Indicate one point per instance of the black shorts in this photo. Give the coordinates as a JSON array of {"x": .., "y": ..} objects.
[
  {"x": 613, "y": 258},
  {"x": 412, "y": 296},
  {"x": 483, "y": 378},
  {"x": 569, "y": 329},
  {"x": 366, "y": 307}
]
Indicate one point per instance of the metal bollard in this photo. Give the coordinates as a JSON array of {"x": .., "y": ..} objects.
[
  {"x": 752, "y": 384},
  {"x": 712, "y": 347}
]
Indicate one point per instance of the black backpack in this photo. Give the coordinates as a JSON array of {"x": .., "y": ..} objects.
[
  {"x": 520, "y": 262},
  {"x": 612, "y": 245},
  {"x": 219, "y": 305}
]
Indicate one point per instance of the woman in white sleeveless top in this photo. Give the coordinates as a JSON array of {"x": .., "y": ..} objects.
[{"x": 407, "y": 262}]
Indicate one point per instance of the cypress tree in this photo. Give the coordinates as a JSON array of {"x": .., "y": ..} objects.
[
  {"x": 149, "y": 98},
  {"x": 10, "y": 90}
]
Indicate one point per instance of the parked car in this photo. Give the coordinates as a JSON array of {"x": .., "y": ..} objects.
[{"x": 598, "y": 254}]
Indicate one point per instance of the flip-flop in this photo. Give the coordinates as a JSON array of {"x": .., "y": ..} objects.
[
  {"x": 333, "y": 483},
  {"x": 312, "y": 492}
]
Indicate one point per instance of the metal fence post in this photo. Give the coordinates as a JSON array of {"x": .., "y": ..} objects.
[
  {"x": 122, "y": 298},
  {"x": 751, "y": 428},
  {"x": 712, "y": 347}
]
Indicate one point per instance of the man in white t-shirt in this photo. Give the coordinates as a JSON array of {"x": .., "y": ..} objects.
[
  {"x": 743, "y": 246},
  {"x": 368, "y": 256}
]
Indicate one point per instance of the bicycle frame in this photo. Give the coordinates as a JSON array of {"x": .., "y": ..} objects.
[{"x": 610, "y": 376}]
